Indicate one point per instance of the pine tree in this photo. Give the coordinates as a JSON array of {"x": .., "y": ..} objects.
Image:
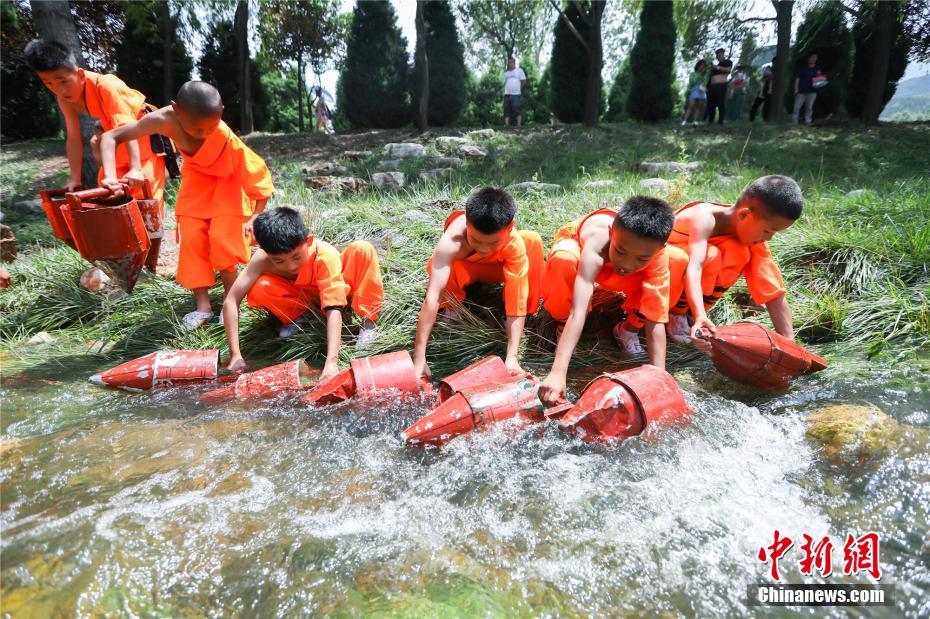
[
  {"x": 863, "y": 34},
  {"x": 217, "y": 65},
  {"x": 373, "y": 83},
  {"x": 446, "y": 60},
  {"x": 619, "y": 93},
  {"x": 27, "y": 107},
  {"x": 569, "y": 65},
  {"x": 651, "y": 63},
  {"x": 140, "y": 51},
  {"x": 535, "y": 99},
  {"x": 824, "y": 32}
]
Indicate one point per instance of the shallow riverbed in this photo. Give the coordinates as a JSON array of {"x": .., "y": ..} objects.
[{"x": 154, "y": 504}]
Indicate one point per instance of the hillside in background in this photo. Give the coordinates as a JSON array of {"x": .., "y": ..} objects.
[{"x": 911, "y": 101}]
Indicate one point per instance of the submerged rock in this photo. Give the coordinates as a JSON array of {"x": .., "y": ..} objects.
[
  {"x": 852, "y": 430},
  {"x": 405, "y": 150},
  {"x": 671, "y": 167},
  {"x": 388, "y": 180},
  {"x": 534, "y": 186}
]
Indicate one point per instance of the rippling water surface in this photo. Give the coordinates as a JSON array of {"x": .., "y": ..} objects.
[{"x": 156, "y": 505}]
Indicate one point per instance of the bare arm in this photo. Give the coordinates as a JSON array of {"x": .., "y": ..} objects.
[
  {"x": 780, "y": 312},
  {"x": 333, "y": 341},
  {"x": 655, "y": 343},
  {"x": 146, "y": 126},
  {"x": 438, "y": 278},
  {"x": 514, "y": 326},
  {"x": 244, "y": 282},
  {"x": 74, "y": 149}
]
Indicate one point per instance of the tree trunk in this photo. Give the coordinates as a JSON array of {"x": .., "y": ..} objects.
[
  {"x": 300, "y": 93},
  {"x": 783, "y": 9},
  {"x": 53, "y": 21},
  {"x": 423, "y": 63},
  {"x": 878, "y": 81},
  {"x": 167, "y": 30},
  {"x": 244, "y": 70},
  {"x": 592, "y": 99}
]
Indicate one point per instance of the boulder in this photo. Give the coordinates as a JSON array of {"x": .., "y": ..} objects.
[
  {"x": 435, "y": 174},
  {"x": 390, "y": 164},
  {"x": 417, "y": 217},
  {"x": 388, "y": 180},
  {"x": 325, "y": 168},
  {"x": 472, "y": 151},
  {"x": 449, "y": 143},
  {"x": 852, "y": 430},
  {"x": 405, "y": 150},
  {"x": 481, "y": 134},
  {"x": 356, "y": 155},
  {"x": 669, "y": 167},
  {"x": 335, "y": 184},
  {"x": 601, "y": 184},
  {"x": 28, "y": 206},
  {"x": 654, "y": 185},
  {"x": 534, "y": 186},
  {"x": 42, "y": 337},
  {"x": 447, "y": 162},
  {"x": 94, "y": 280}
]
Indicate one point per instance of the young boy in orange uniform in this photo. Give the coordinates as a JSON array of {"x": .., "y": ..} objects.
[
  {"x": 224, "y": 186},
  {"x": 725, "y": 241},
  {"x": 108, "y": 99},
  {"x": 292, "y": 270},
  {"x": 480, "y": 244},
  {"x": 623, "y": 251}
]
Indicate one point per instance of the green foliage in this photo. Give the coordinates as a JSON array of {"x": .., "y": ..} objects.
[
  {"x": 746, "y": 48},
  {"x": 496, "y": 29},
  {"x": 218, "y": 65},
  {"x": 485, "y": 100},
  {"x": 139, "y": 53},
  {"x": 651, "y": 63},
  {"x": 824, "y": 32},
  {"x": 707, "y": 24},
  {"x": 375, "y": 74},
  {"x": 535, "y": 98},
  {"x": 278, "y": 112},
  {"x": 619, "y": 93},
  {"x": 569, "y": 65},
  {"x": 864, "y": 34},
  {"x": 446, "y": 59},
  {"x": 28, "y": 109}
]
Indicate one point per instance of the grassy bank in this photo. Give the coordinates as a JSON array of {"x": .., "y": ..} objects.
[{"x": 857, "y": 264}]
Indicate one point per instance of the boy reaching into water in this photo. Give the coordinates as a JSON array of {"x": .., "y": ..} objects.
[
  {"x": 725, "y": 241},
  {"x": 224, "y": 186},
  {"x": 622, "y": 251},
  {"x": 481, "y": 244},
  {"x": 291, "y": 271},
  {"x": 104, "y": 97}
]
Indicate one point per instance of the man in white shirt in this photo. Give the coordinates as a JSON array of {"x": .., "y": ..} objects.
[{"x": 514, "y": 82}]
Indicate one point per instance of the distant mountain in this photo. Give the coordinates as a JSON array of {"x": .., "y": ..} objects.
[{"x": 911, "y": 101}]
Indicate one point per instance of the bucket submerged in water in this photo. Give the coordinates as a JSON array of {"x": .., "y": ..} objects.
[
  {"x": 368, "y": 377},
  {"x": 161, "y": 369},
  {"x": 488, "y": 370},
  {"x": 284, "y": 378}
]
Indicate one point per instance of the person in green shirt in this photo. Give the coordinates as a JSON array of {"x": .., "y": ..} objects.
[{"x": 697, "y": 94}]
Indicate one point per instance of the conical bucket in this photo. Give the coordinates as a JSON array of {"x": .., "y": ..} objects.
[
  {"x": 108, "y": 232},
  {"x": 489, "y": 370},
  {"x": 161, "y": 369},
  {"x": 367, "y": 377},
  {"x": 751, "y": 354},
  {"x": 289, "y": 377},
  {"x": 619, "y": 405},
  {"x": 52, "y": 201}
]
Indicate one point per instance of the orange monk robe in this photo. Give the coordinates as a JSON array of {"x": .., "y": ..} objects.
[
  {"x": 519, "y": 265},
  {"x": 325, "y": 281},
  {"x": 727, "y": 258},
  {"x": 647, "y": 291},
  {"x": 219, "y": 186},
  {"x": 115, "y": 104}
]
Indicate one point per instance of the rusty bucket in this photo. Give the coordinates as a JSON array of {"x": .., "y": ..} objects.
[
  {"x": 52, "y": 201},
  {"x": 153, "y": 217},
  {"x": 161, "y": 369},
  {"x": 108, "y": 231},
  {"x": 623, "y": 404},
  {"x": 749, "y": 353},
  {"x": 367, "y": 377},
  {"x": 489, "y": 370},
  {"x": 289, "y": 377}
]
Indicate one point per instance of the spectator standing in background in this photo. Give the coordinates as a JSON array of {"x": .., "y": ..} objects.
[
  {"x": 717, "y": 86},
  {"x": 805, "y": 89},
  {"x": 514, "y": 82},
  {"x": 765, "y": 92},
  {"x": 739, "y": 83},
  {"x": 697, "y": 94}
]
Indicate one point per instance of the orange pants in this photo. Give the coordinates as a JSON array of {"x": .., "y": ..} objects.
[
  {"x": 360, "y": 270},
  {"x": 465, "y": 273},
  {"x": 723, "y": 265},
  {"x": 562, "y": 268},
  {"x": 208, "y": 246}
]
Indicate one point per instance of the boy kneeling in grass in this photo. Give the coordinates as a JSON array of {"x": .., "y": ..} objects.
[
  {"x": 292, "y": 271},
  {"x": 725, "y": 241}
]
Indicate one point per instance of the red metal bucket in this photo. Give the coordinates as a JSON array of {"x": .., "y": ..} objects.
[
  {"x": 489, "y": 370},
  {"x": 622, "y": 404},
  {"x": 289, "y": 377},
  {"x": 153, "y": 216},
  {"x": 108, "y": 232},
  {"x": 52, "y": 201},
  {"x": 161, "y": 369},
  {"x": 367, "y": 377},
  {"x": 749, "y": 353}
]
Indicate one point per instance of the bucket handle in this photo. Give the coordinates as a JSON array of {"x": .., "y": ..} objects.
[{"x": 77, "y": 197}]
